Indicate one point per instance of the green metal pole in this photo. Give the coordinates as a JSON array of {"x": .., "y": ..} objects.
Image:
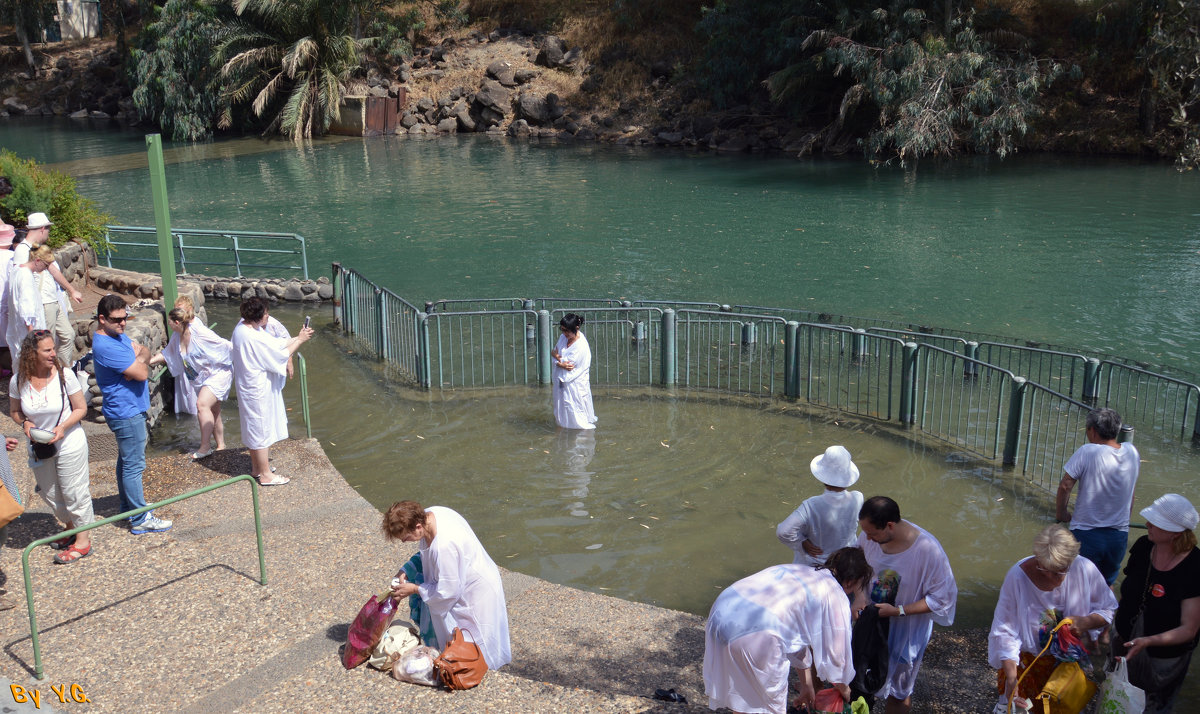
[
  {"x": 423, "y": 363},
  {"x": 668, "y": 348},
  {"x": 970, "y": 351},
  {"x": 791, "y": 364},
  {"x": 382, "y": 326},
  {"x": 304, "y": 393},
  {"x": 1091, "y": 380},
  {"x": 1016, "y": 408},
  {"x": 337, "y": 295},
  {"x": 162, "y": 220},
  {"x": 544, "y": 346},
  {"x": 908, "y": 384}
]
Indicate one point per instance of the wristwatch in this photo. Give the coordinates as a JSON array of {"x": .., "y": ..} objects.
[{"x": 902, "y": 613}]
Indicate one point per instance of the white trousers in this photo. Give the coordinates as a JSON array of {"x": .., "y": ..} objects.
[
  {"x": 63, "y": 483},
  {"x": 64, "y": 335}
]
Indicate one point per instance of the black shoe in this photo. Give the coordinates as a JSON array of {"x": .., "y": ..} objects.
[{"x": 669, "y": 695}]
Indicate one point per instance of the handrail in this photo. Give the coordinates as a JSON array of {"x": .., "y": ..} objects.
[
  {"x": 33, "y": 630},
  {"x": 236, "y": 247}
]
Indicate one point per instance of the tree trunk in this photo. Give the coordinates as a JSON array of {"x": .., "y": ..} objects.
[
  {"x": 1146, "y": 108},
  {"x": 24, "y": 38}
]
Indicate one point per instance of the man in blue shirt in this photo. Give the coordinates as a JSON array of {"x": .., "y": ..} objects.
[{"x": 122, "y": 369}]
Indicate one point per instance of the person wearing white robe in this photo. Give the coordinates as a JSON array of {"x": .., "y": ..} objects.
[
  {"x": 25, "y": 313},
  {"x": 572, "y": 387},
  {"x": 790, "y": 614},
  {"x": 1038, "y": 592},
  {"x": 260, "y": 372},
  {"x": 205, "y": 366},
  {"x": 462, "y": 583},
  {"x": 6, "y": 255}
]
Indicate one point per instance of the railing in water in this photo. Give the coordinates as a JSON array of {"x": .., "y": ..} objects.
[
  {"x": 247, "y": 252},
  {"x": 1022, "y": 405}
]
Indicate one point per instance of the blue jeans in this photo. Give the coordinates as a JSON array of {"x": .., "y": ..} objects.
[
  {"x": 131, "y": 462},
  {"x": 1105, "y": 547}
]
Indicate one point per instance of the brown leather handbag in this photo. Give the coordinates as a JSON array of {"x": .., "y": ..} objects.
[{"x": 461, "y": 664}]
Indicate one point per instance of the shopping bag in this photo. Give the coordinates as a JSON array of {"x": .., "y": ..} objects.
[
  {"x": 10, "y": 508},
  {"x": 416, "y": 666},
  {"x": 367, "y": 629},
  {"x": 1118, "y": 695},
  {"x": 1068, "y": 691},
  {"x": 829, "y": 701}
]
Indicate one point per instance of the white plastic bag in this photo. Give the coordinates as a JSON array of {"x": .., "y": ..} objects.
[
  {"x": 416, "y": 666},
  {"x": 397, "y": 639},
  {"x": 1118, "y": 696}
]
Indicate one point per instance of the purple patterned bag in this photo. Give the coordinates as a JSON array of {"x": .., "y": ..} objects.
[{"x": 367, "y": 629}]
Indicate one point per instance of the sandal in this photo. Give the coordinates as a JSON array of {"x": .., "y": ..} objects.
[
  {"x": 72, "y": 554},
  {"x": 197, "y": 455},
  {"x": 62, "y": 543},
  {"x": 278, "y": 481}
]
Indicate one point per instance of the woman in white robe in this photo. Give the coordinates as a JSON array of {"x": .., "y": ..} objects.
[
  {"x": 1038, "y": 592},
  {"x": 25, "y": 313},
  {"x": 462, "y": 585},
  {"x": 260, "y": 372},
  {"x": 796, "y": 615},
  {"x": 202, "y": 360},
  {"x": 572, "y": 388}
]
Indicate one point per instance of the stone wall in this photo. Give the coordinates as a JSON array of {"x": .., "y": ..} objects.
[{"x": 148, "y": 285}]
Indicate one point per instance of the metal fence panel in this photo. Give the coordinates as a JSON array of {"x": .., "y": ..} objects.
[
  {"x": 1054, "y": 426},
  {"x": 1062, "y": 372},
  {"x": 483, "y": 349},
  {"x": 963, "y": 401},
  {"x": 248, "y": 253},
  {"x": 626, "y": 342},
  {"x": 1150, "y": 400},
  {"x": 730, "y": 351},
  {"x": 850, "y": 370}
]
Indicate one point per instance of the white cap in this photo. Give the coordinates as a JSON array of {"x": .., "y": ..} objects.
[
  {"x": 38, "y": 220},
  {"x": 1172, "y": 513}
]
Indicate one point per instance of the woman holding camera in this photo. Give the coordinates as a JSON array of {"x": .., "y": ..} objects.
[{"x": 46, "y": 399}]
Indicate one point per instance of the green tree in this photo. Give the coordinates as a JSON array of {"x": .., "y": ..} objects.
[
  {"x": 290, "y": 61},
  {"x": 28, "y": 18},
  {"x": 174, "y": 82},
  {"x": 1171, "y": 55}
]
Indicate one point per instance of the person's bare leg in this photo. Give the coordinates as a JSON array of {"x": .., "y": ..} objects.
[
  {"x": 218, "y": 426},
  {"x": 260, "y": 463},
  {"x": 204, "y": 413}
]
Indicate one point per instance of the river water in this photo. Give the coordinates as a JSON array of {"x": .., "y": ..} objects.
[{"x": 678, "y": 494}]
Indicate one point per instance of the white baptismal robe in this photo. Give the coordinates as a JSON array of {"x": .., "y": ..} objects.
[
  {"x": 5, "y": 270},
  {"x": 209, "y": 356},
  {"x": 24, "y": 307},
  {"x": 766, "y": 622},
  {"x": 1023, "y": 611},
  {"x": 260, "y": 372},
  {"x": 572, "y": 387},
  {"x": 462, "y": 588}
]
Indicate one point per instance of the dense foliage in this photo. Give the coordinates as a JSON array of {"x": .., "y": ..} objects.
[
  {"x": 53, "y": 193},
  {"x": 174, "y": 81}
]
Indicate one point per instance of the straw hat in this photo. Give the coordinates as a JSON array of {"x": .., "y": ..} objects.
[
  {"x": 38, "y": 220},
  {"x": 834, "y": 468},
  {"x": 1172, "y": 513},
  {"x": 7, "y": 233}
]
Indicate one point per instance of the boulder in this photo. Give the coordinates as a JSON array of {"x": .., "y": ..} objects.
[
  {"x": 449, "y": 125},
  {"x": 325, "y": 292},
  {"x": 293, "y": 292},
  {"x": 491, "y": 103},
  {"x": 408, "y": 120},
  {"x": 503, "y": 73},
  {"x": 12, "y": 106},
  {"x": 525, "y": 76},
  {"x": 552, "y": 52},
  {"x": 519, "y": 128}
]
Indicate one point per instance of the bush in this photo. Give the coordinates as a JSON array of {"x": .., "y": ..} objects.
[{"x": 53, "y": 193}]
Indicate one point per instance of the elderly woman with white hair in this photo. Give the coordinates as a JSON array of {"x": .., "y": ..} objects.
[
  {"x": 1038, "y": 592},
  {"x": 1159, "y": 615}
]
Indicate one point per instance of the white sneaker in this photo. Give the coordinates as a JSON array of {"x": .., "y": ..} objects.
[{"x": 151, "y": 524}]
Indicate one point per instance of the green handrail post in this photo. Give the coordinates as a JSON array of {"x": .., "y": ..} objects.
[
  {"x": 337, "y": 294},
  {"x": 908, "y": 384},
  {"x": 544, "y": 347},
  {"x": 668, "y": 348},
  {"x": 1091, "y": 381},
  {"x": 381, "y": 327},
  {"x": 1016, "y": 409},
  {"x": 162, "y": 220},
  {"x": 38, "y": 670},
  {"x": 423, "y": 366},
  {"x": 858, "y": 345},
  {"x": 791, "y": 363},
  {"x": 970, "y": 351},
  {"x": 303, "y": 367}
]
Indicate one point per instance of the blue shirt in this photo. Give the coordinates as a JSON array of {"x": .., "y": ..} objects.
[{"x": 123, "y": 398}]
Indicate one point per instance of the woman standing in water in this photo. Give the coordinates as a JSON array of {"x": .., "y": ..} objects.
[{"x": 572, "y": 363}]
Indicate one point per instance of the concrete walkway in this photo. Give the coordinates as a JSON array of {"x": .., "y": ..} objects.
[{"x": 179, "y": 622}]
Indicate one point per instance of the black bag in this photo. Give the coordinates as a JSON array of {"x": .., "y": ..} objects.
[
  {"x": 869, "y": 648},
  {"x": 43, "y": 451}
]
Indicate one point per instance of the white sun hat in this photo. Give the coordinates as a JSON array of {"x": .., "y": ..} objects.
[
  {"x": 834, "y": 468},
  {"x": 1172, "y": 513}
]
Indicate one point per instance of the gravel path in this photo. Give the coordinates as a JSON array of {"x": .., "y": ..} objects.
[{"x": 179, "y": 622}]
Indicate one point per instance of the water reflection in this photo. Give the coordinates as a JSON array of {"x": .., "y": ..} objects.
[{"x": 576, "y": 448}]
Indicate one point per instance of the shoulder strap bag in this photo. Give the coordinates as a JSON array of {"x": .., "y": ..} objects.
[{"x": 46, "y": 451}]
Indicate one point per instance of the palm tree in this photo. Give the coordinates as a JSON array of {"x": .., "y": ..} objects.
[{"x": 289, "y": 58}]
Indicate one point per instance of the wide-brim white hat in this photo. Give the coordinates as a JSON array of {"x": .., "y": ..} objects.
[
  {"x": 1173, "y": 513},
  {"x": 834, "y": 468},
  {"x": 38, "y": 220}
]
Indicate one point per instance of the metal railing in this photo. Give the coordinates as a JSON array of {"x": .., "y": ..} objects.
[
  {"x": 33, "y": 630},
  {"x": 1022, "y": 405},
  {"x": 255, "y": 252}
]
